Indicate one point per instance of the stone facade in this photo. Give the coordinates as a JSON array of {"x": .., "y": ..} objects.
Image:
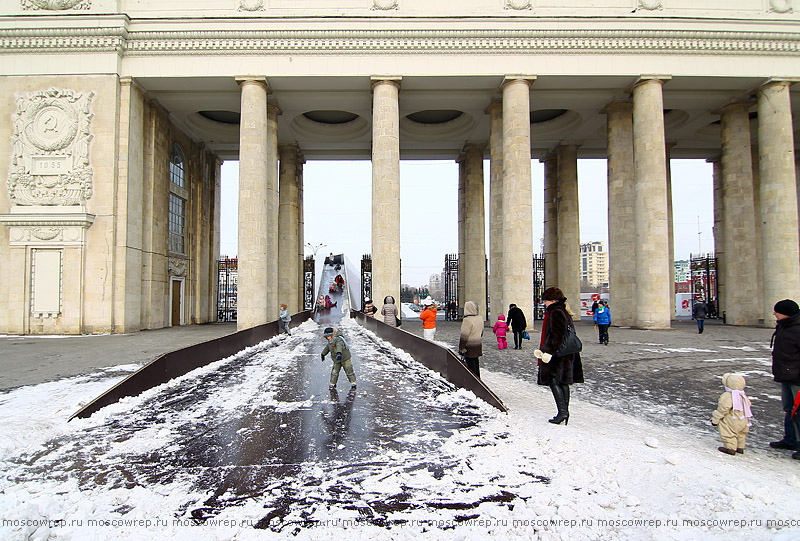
[
  {"x": 85, "y": 209},
  {"x": 104, "y": 90}
]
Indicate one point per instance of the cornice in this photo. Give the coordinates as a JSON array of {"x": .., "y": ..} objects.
[{"x": 366, "y": 42}]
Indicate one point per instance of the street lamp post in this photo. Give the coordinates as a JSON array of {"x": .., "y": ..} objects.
[{"x": 315, "y": 247}]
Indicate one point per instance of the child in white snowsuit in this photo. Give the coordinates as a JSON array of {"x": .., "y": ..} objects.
[{"x": 732, "y": 415}]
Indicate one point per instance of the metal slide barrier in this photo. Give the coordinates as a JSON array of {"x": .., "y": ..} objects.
[
  {"x": 182, "y": 361},
  {"x": 433, "y": 356}
]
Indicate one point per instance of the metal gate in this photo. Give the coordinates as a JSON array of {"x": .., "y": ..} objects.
[
  {"x": 308, "y": 283},
  {"x": 227, "y": 275},
  {"x": 538, "y": 287},
  {"x": 704, "y": 282},
  {"x": 451, "y": 287},
  {"x": 366, "y": 279}
]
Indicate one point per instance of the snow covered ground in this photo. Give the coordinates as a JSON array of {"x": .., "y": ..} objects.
[{"x": 514, "y": 476}]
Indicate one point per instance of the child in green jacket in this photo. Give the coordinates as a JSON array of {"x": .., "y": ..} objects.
[{"x": 337, "y": 347}]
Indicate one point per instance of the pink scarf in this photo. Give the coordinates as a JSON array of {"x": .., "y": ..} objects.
[{"x": 740, "y": 403}]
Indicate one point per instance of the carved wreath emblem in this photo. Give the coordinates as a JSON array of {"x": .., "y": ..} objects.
[
  {"x": 518, "y": 4},
  {"x": 56, "y": 5},
  {"x": 50, "y": 149},
  {"x": 251, "y": 5},
  {"x": 384, "y": 4},
  {"x": 780, "y": 6}
]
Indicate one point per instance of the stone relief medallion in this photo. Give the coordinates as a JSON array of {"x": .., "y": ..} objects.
[
  {"x": 384, "y": 4},
  {"x": 780, "y": 6},
  {"x": 56, "y": 5},
  {"x": 518, "y": 4},
  {"x": 251, "y": 5},
  {"x": 651, "y": 4},
  {"x": 50, "y": 149},
  {"x": 177, "y": 266}
]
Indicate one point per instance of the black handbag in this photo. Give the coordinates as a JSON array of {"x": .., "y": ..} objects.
[
  {"x": 571, "y": 344},
  {"x": 398, "y": 321}
]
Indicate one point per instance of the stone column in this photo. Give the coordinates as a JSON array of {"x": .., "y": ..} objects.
[
  {"x": 475, "y": 229},
  {"x": 272, "y": 212},
  {"x": 301, "y": 241},
  {"x": 254, "y": 257},
  {"x": 496, "y": 300},
  {"x": 517, "y": 207},
  {"x": 385, "y": 189},
  {"x": 757, "y": 214},
  {"x": 621, "y": 226},
  {"x": 779, "y": 231},
  {"x": 569, "y": 231},
  {"x": 462, "y": 228},
  {"x": 550, "y": 220},
  {"x": 671, "y": 235},
  {"x": 719, "y": 235},
  {"x": 739, "y": 224},
  {"x": 650, "y": 206},
  {"x": 289, "y": 204}
]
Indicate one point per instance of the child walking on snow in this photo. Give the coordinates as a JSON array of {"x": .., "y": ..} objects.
[
  {"x": 285, "y": 318},
  {"x": 500, "y": 329},
  {"x": 732, "y": 415},
  {"x": 338, "y": 349}
]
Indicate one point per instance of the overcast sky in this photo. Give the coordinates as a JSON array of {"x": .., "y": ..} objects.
[{"x": 337, "y": 197}]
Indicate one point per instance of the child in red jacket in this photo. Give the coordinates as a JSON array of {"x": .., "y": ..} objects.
[{"x": 500, "y": 329}]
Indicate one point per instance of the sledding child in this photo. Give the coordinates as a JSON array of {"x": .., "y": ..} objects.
[
  {"x": 500, "y": 329},
  {"x": 285, "y": 318},
  {"x": 732, "y": 415},
  {"x": 338, "y": 349}
]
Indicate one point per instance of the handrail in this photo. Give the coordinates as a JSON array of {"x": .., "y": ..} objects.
[
  {"x": 433, "y": 356},
  {"x": 182, "y": 361}
]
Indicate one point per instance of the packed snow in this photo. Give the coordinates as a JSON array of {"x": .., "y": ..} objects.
[{"x": 514, "y": 476}]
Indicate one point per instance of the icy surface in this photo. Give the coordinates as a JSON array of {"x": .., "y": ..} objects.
[{"x": 430, "y": 461}]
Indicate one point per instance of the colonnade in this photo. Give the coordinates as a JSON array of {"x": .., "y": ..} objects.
[{"x": 755, "y": 194}]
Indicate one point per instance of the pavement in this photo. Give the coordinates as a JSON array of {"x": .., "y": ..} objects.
[
  {"x": 671, "y": 377},
  {"x": 668, "y": 377}
]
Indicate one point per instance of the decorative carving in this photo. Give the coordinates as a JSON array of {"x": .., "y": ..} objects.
[
  {"x": 50, "y": 149},
  {"x": 251, "y": 5},
  {"x": 651, "y": 4},
  {"x": 780, "y": 6},
  {"x": 384, "y": 4},
  {"x": 177, "y": 267},
  {"x": 131, "y": 44},
  {"x": 518, "y": 4},
  {"x": 56, "y": 5}
]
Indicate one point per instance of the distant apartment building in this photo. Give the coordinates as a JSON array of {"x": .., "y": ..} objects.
[
  {"x": 594, "y": 264},
  {"x": 436, "y": 286},
  {"x": 683, "y": 271}
]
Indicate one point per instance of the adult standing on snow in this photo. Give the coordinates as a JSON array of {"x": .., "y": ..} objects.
[
  {"x": 470, "y": 341},
  {"x": 516, "y": 320},
  {"x": 428, "y": 317},
  {"x": 562, "y": 371},
  {"x": 785, "y": 345},
  {"x": 389, "y": 311}
]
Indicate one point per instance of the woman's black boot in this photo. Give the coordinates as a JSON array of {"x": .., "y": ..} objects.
[{"x": 561, "y": 404}]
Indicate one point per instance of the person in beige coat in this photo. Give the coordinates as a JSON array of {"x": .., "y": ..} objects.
[
  {"x": 470, "y": 342},
  {"x": 732, "y": 415}
]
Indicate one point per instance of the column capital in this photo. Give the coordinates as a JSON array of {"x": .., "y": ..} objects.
[
  {"x": 734, "y": 104},
  {"x": 714, "y": 159},
  {"x": 495, "y": 106},
  {"x": 273, "y": 109},
  {"x": 288, "y": 147},
  {"x": 568, "y": 144},
  {"x": 617, "y": 105},
  {"x": 527, "y": 79},
  {"x": 550, "y": 156},
  {"x": 648, "y": 78},
  {"x": 479, "y": 147},
  {"x": 242, "y": 80},
  {"x": 380, "y": 79}
]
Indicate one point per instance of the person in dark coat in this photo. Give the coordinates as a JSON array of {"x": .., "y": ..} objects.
[
  {"x": 516, "y": 320},
  {"x": 785, "y": 345},
  {"x": 699, "y": 313},
  {"x": 557, "y": 372}
]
